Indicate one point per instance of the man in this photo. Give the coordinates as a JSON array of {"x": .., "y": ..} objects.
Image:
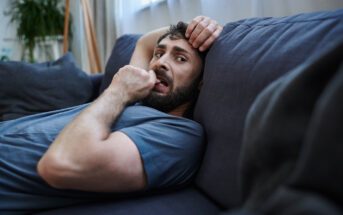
[{"x": 108, "y": 146}]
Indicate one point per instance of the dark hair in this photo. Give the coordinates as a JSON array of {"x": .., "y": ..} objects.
[{"x": 178, "y": 31}]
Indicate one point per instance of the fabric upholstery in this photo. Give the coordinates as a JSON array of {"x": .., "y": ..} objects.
[
  {"x": 292, "y": 146},
  {"x": 292, "y": 138},
  {"x": 120, "y": 56},
  {"x": 182, "y": 202},
  {"x": 27, "y": 89},
  {"x": 248, "y": 56},
  {"x": 96, "y": 80}
]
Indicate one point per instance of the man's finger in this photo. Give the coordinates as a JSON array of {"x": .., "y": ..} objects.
[
  {"x": 152, "y": 75},
  {"x": 192, "y": 25},
  {"x": 204, "y": 35},
  {"x": 199, "y": 28},
  {"x": 211, "y": 39}
]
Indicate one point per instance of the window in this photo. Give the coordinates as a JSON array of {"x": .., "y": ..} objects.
[{"x": 147, "y": 3}]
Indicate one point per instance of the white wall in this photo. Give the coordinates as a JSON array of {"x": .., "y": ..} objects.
[
  {"x": 77, "y": 45},
  {"x": 290, "y": 7},
  {"x": 8, "y": 43},
  {"x": 166, "y": 13},
  {"x": 171, "y": 11}
]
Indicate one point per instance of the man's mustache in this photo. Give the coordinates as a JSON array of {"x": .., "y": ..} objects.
[{"x": 163, "y": 73}]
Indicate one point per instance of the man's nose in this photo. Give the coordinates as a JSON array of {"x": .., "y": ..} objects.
[{"x": 162, "y": 63}]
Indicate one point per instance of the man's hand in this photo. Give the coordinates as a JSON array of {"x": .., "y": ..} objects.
[
  {"x": 202, "y": 32},
  {"x": 134, "y": 83}
]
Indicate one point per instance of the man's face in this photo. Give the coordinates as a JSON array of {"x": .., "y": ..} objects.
[{"x": 177, "y": 66}]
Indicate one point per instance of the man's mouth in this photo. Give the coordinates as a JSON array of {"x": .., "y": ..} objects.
[{"x": 161, "y": 84}]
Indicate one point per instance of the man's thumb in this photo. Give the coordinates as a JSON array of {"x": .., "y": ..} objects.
[{"x": 152, "y": 75}]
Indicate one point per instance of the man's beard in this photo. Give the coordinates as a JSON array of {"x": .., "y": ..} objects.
[{"x": 174, "y": 99}]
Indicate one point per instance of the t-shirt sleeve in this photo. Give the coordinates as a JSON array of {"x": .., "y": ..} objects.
[{"x": 171, "y": 150}]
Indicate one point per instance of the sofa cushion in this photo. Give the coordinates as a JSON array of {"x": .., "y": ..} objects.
[
  {"x": 182, "y": 202},
  {"x": 33, "y": 88},
  {"x": 120, "y": 56},
  {"x": 247, "y": 56}
]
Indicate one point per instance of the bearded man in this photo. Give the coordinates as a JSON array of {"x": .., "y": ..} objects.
[{"x": 135, "y": 137}]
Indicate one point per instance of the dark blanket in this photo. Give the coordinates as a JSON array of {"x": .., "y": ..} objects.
[{"x": 292, "y": 154}]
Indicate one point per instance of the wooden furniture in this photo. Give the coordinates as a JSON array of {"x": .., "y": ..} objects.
[{"x": 92, "y": 48}]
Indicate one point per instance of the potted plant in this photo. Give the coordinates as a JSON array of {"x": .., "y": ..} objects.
[{"x": 36, "y": 20}]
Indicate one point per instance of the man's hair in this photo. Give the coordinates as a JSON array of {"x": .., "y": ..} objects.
[{"x": 178, "y": 31}]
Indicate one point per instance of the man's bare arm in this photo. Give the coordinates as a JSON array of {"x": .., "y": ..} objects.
[
  {"x": 145, "y": 48},
  {"x": 86, "y": 155}
]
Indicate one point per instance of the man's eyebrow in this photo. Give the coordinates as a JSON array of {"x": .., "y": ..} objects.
[
  {"x": 175, "y": 48},
  {"x": 161, "y": 46},
  {"x": 179, "y": 49}
]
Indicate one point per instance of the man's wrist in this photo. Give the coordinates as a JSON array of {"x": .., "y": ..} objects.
[{"x": 117, "y": 95}]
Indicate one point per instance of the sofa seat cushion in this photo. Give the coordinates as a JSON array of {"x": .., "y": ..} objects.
[
  {"x": 181, "y": 202},
  {"x": 248, "y": 55}
]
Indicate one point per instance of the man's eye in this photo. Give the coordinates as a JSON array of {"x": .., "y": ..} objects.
[
  {"x": 181, "y": 59},
  {"x": 158, "y": 55}
]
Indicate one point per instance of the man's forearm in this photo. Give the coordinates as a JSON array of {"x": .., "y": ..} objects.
[
  {"x": 74, "y": 150},
  {"x": 95, "y": 121},
  {"x": 145, "y": 48},
  {"x": 86, "y": 150}
]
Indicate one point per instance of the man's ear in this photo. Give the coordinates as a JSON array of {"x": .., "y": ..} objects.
[{"x": 200, "y": 84}]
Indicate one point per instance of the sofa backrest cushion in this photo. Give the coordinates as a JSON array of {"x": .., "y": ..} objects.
[
  {"x": 120, "y": 56},
  {"x": 247, "y": 56},
  {"x": 27, "y": 88}
]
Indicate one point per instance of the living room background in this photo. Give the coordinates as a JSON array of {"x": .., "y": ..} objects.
[{"x": 113, "y": 18}]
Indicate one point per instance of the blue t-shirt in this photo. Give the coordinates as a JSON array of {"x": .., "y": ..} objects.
[{"x": 170, "y": 147}]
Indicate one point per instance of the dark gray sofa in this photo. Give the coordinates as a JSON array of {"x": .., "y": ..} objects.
[{"x": 249, "y": 55}]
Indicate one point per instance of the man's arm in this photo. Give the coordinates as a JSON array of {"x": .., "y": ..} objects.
[
  {"x": 145, "y": 48},
  {"x": 86, "y": 155}
]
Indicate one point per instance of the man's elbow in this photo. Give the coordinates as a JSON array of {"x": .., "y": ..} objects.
[{"x": 52, "y": 171}]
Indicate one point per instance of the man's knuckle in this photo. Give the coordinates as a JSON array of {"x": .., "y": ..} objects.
[
  {"x": 202, "y": 25},
  {"x": 208, "y": 30},
  {"x": 198, "y": 18},
  {"x": 196, "y": 43},
  {"x": 191, "y": 39}
]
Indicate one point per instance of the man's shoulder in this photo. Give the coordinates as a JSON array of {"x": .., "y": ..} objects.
[{"x": 145, "y": 114}]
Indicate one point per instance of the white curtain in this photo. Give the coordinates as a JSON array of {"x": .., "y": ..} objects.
[
  {"x": 104, "y": 26},
  {"x": 104, "y": 20},
  {"x": 113, "y": 18},
  {"x": 137, "y": 19}
]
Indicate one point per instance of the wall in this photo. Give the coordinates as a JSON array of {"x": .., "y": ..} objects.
[
  {"x": 8, "y": 43},
  {"x": 165, "y": 13},
  {"x": 170, "y": 11},
  {"x": 12, "y": 47}
]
